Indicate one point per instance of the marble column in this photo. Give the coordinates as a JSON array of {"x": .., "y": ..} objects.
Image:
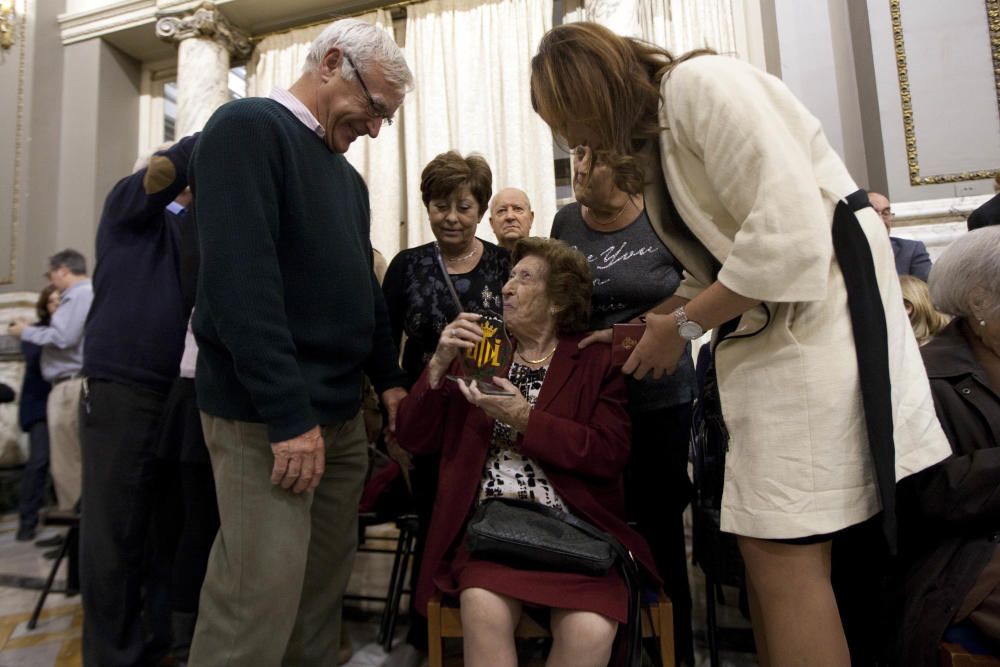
[{"x": 206, "y": 40}]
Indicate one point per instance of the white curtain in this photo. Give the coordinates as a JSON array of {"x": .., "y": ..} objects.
[
  {"x": 278, "y": 61},
  {"x": 682, "y": 25},
  {"x": 471, "y": 61},
  {"x": 677, "y": 25}
]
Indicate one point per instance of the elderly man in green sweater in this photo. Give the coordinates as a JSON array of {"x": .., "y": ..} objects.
[{"x": 289, "y": 318}]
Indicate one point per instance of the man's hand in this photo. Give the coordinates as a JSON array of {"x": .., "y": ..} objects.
[
  {"x": 659, "y": 349},
  {"x": 390, "y": 400},
  {"x": 16, "y": 328},
  {"x": 299, "y": 462}
]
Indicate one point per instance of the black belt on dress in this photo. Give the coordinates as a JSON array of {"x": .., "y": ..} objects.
[
  {"x": 871, "y": 346},
  {"x": 64, "y": 378}
]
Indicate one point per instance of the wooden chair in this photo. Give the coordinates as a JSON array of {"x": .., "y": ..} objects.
[
  {"x": 445, "y": 620},
  {"x": 955, "y": 655}
]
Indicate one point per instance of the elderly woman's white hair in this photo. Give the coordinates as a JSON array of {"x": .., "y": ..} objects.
[
  {"x": 965, "y": 280},
  {"x": 367, "y": 45}
]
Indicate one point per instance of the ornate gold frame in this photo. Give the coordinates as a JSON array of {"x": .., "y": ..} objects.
[
  {"x": 15, "y": 200},
  {"x": 912, "y": 159}
]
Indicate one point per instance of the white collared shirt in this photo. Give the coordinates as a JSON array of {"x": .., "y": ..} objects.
[{"x": 298, "y": 109}]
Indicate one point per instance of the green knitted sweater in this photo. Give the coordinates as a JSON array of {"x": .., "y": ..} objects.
[{"x": 289, "y": 315}]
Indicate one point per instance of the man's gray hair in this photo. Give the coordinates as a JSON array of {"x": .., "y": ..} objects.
[
  {"x": 367, "y": 45},
  {"x": 965, "y": 280}
]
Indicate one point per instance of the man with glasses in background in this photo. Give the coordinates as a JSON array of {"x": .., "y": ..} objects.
[
  {"x": 289, "y": 317},
  {"x": 911, "y": 256}
]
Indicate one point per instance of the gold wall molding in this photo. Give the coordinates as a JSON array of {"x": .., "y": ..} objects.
[
  {"x": 15, "y": 199},
  {"x": 909, "y": 129}
]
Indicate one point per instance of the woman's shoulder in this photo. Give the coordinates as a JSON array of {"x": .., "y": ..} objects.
[
  {"x": 496, "y": 256},
  {"x": 569, "y": 214},
  {"x": 410, "y": 254},
  {"x": 596, "y": 355},
  {"x": 710, "y": 65},
  {"x": 711, "y": 75}
]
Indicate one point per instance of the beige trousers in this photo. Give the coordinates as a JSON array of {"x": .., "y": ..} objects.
[
  {"x": 64, "y": 441},
  {"x": 280, "y": 563}
]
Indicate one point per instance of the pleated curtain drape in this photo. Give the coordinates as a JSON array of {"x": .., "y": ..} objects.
[
  {"x": 472, "y": 60},
  {"x": 683, "y": 25}
]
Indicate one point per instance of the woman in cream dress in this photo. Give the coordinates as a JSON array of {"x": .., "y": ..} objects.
[{"x": 742, "y": 187}]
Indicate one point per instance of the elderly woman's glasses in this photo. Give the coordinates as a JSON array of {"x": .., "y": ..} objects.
[{"x": 375, "y": 109}]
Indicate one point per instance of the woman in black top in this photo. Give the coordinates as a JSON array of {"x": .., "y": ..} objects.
[{"x": 456, "y": 191}]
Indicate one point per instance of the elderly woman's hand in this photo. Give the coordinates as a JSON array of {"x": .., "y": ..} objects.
[
  {"x": 462, "y": 333},
  {"x": 511, "y": 409}
]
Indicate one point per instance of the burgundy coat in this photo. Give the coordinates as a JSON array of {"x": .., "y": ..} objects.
[{"x": 578, "y": 432}]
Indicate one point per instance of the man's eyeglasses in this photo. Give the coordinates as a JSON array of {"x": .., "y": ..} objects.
[{"x": 375, "y": 109}]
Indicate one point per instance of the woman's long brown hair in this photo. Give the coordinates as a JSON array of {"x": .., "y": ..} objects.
[{"x": 584, "y": 75}]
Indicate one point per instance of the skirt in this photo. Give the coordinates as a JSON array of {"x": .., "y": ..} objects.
[{"x": 606, "y": 595}]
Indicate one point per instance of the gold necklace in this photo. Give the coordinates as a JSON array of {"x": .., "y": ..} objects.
[
  {"x": 538, "y": 361},
  {"x": 612, "y": 220},
  {"x": 456, "y": 260}
]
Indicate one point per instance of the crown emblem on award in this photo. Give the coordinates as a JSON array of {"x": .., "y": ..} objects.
[{"x": 489, "y": 330}]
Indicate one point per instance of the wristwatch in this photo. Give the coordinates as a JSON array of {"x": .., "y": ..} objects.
[{"x": 687, "y": 329}]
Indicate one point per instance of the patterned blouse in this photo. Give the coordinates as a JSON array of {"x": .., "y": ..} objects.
[
  {"x": 507, "y": 472},
  {"x": 420, "y": 304}
]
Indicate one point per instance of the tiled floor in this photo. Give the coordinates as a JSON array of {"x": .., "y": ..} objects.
[{"x": 56, "y": 640}]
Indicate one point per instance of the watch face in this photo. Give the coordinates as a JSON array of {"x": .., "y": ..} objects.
[{"x": 690, "y": 330}]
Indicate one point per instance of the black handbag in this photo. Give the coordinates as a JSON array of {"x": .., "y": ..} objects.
[{"x": 529, "y": 535}]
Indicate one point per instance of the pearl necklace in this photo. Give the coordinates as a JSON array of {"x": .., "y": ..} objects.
[
  {"x": 458, "y": 260},
  {"x": 538, "y": 361}
]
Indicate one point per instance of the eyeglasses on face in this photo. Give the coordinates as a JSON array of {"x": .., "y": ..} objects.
[{"x": 375, "y": 109}]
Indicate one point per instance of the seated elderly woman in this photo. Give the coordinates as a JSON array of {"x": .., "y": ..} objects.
[
  {"x": 950, "y": 549},
  {"x": 560, "y": 438}
]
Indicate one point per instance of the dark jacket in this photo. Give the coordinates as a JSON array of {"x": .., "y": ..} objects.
[
  {"x": 578, "y": 431},
  {"x": 911, "y": 258},
  {"x": 34, "y": 388},
  {"x": 135, "y": 329},
  {"x": 950, "y": 511},
  {"x": 986, "y": 215}
]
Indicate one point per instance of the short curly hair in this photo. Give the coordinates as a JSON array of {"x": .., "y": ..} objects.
[
  {"x": 569, "y": 283},
  {"x": 449, "y": 171}
]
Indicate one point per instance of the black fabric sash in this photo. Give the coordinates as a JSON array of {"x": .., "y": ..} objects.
[{"x": 871, "y": 345}]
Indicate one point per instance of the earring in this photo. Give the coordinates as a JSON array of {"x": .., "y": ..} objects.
[{"x": 982, "y": 323}]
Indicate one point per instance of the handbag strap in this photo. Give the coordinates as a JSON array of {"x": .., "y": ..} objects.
[
  {"x": 447, "y": 277},
  {"x": 626, "y": 564}
]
